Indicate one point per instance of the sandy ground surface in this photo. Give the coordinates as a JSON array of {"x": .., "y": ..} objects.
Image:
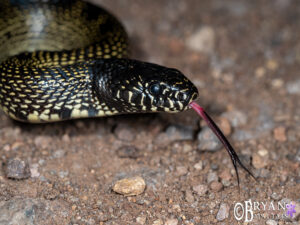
[{"x": 244, "y": 57}]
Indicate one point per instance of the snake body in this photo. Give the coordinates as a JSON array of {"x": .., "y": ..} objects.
[{"x": 67, "y": 59}]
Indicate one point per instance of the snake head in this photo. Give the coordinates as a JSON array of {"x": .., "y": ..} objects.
[{"x": 133, "y": 86}]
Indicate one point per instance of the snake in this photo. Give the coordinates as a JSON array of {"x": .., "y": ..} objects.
[{"x": 69, "y": 59}]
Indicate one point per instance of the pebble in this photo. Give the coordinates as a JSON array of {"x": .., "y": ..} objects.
[
  {"x": 236, "y": 118},
  {"x": 216, "y": 186},
  {"x": 212, "y": 176},
  {"x": 189, "y": 196},
  {"x": 272, "y": 64},
  {"x": 130, "y": 186},
  {"x": 280, "y": 134},
  {"x": 243, "y": 135},
  {"x": 128, "y": 152},
  {"x": 225, "y": 175},
  {"x": 28, "y": 211},
  {"x": 203, "y": 40},
  {"x": 207, "y": 140},
  {"x": 181, "y": 170},
  {"x": 171, "y": 222},
  {"x": 158, "y": 222},
  {"x": 124, "y": 132},
  {"x": 259, "y": 161},
  {"x": 200, "y": 189},
  {"x": 214, "y": 166},
  {"x": 17, "y": 169},
  {"x": 224, "y": 125},
  {"x": 275, "y": 196},
  {"x": 223, "y": 212},
  {"x": 42, "y": 142},
  {"x": 59, "y": 154},
  {"x": 180, "y": 133},
  {"x": 141, "y": 219},
  {"x": 199, "y": 165},
  {"x": 298, "y": 156},
  {"x": 293, "y": 87},
  {"x": 264, "y": 173},
  {"x": 34, "y": 170},
  {"x": 271, "y": 222}
]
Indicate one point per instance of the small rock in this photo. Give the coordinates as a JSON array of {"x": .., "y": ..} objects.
[
  {"x": 171, "y": 222},
  {"x": 293, "y": 87},
  {"x": 272, "y": 64},
  {"x": 223, "y": 212},
  {"x": 216, "y": 186},
  {"x": 158, "y": 222},
  {"x": 271, "y": 222},
  {"x": 130, "y": 186},
  {"x": 259, "y": 161},
  {"x": 180, "y": 133},
  {"x": 59, "y": 154},
  {"x": 202, "y": 40},
  {"x": 189, "y": 196},
  {"x": 260, "y": 72},
  {"x": 17, "y": 169},
  {"x": 264, "y": 173},
  {"x": 236, "y": 118},
  {"x": 280, "y": 134},
  {"x": 297, "y": 158},
  {"x": 225, "y": 175},
  {"x": 243, "y": 135},
  {"x": 277, "y": 83},
  {"x": 200, "y": 189},
  {"x": 181, "y": 170},
  {"x": 128, "y": 152},
  {"x": 199, "y": 165},
  {"x": 275, "y": 196},
  {"x": 214, "y": 166},
  {"x": 225, "y": 126},
  {"x": 141, "y": 219},
  {"x": 124, "y": 132},
  {"x": 212, "y": 176},
  {"x": 42, "y": 142},
  {"x": 34, "y": 170},
  {"x": 208, "y": 141}
]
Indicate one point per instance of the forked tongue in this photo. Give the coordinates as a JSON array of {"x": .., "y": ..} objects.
[{"x": 234, "y": 157}]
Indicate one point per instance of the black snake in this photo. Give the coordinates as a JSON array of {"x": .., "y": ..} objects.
[{"x": 67, "y": 59}]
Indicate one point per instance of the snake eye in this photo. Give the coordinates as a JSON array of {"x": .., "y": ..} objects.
[
  {"x": 155, "y": 89},
  {"x": 182, "y": 97}
]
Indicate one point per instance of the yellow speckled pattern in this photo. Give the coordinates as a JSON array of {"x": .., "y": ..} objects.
[{"x": 44, "y": 47}]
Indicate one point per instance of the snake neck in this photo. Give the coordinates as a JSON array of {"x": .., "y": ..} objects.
[{"x": 106, "y": 83}]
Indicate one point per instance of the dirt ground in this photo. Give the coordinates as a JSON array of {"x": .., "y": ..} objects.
[{"x": 244, "y": 57}]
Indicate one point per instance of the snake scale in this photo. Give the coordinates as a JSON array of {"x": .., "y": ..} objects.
[{"x": 68, "y": 59}]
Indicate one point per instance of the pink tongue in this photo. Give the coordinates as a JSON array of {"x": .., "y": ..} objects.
[{"x": 234, "y": 157}]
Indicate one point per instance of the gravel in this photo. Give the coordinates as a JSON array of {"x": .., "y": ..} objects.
[
  {"x": 212, "y": 176},
  {"x": 171, "y": 222},
  {"x": 223, "y": 212},
  {"x": 293, "y": 87},
  {"x": 28, "y": 211},
  {"x": 200, "y": 189}
]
